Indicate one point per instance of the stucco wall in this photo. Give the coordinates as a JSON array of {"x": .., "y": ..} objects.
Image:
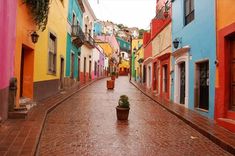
[
  {"x": 161, "y": 44},
  {"x": 57, "y": 24},
  {"x": 200, "y": 36}
]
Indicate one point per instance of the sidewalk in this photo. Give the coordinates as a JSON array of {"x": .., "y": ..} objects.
[
  {"x": 222, "y": 137},
  {"x": 21, "y": 137}
]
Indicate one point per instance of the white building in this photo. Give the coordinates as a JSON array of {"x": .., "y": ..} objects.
[{"x": 87, "y": 49}]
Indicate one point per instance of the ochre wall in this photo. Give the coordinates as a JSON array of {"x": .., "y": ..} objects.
[
  {"x": 225, "y": 13},
  {"x": 57, "y": 25}
]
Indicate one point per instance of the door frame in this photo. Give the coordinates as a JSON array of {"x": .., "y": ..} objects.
[{"x": 181, "y": 55}]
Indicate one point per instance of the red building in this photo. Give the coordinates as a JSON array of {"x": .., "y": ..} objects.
[
  {"x": 225, "y": 71},
  {"x": 159, "y": 39}
]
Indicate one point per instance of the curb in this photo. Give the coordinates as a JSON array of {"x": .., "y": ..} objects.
[
  {"x": 54, "y": 106},
  {"x": 224, "y": 145}
]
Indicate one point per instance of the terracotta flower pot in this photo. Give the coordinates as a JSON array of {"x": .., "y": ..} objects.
[
  {"x": 165, "y": 14},
  {"x": 122, "y": 113},
  {"x": 110, "y": 84},
  {"x": 113, "y": 77}
]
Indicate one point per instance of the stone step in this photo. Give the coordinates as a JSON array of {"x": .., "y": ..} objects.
[{"x": 17, "y": 114}]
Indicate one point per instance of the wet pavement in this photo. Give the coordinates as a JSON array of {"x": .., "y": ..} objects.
[{"x": 86, "y": 124}]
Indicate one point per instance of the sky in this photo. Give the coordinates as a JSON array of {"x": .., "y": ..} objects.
[{"x": 131, "y": 13}]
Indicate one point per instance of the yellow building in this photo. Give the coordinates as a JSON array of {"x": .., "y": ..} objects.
[
  {"x": 50, "y": 52},
  {"x": 136, "y": 45},
  {"x": 139, "y": 58}
]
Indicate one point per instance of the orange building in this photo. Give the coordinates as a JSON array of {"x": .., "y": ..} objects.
[
  {"x": 225, "y": 70},
  {"x": 24, "y": 52}
]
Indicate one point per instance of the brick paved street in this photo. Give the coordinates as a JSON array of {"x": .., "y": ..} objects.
[{"x": 86, "y": 124}]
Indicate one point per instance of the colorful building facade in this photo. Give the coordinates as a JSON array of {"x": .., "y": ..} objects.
[
  {"x": 194, "y": 55},
  {"x": 75, "y": 39},
  {"x": 139, "y": 58},
  {"x": 136, "y": 44},
  {"x": 147, "y": 64},
  {"x": 89, "y": 43},
  {"x": 225, "y": 64},
  {"x": 7, "y": 46},
  {"x": 124, "y": 67},
  {"x": 50, "y": 53},
  {"x": 24, "y": 53},
  {"x": 161, "y": 50}
]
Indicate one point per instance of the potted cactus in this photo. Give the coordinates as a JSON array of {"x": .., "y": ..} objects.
[
  {"x": 123, "y": 108},
  {"x": 113, "y": 75}
]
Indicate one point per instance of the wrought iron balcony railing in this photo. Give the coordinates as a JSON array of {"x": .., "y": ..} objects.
[
  {"x": 77, "y": 35},
  {"x": 89, "y": 41}
]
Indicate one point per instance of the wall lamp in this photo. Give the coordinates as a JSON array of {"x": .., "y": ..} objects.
[
  {"x": 34, "y": 37},
  {"x": 176, "y": 43}
]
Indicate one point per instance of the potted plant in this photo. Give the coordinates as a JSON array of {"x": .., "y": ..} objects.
[
  {"x": 110, "y": 84},
  {"x": 123, "y": 108},
  {"x": 165, "y": 14},
  {"x": 113, "y": 75},
  {"x": 116, "y": 74}
]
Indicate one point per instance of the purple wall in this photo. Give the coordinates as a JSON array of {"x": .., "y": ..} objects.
[{"x": 7, "y": 40}]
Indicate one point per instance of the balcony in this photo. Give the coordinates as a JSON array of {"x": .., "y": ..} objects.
[
  {"x": 89, "y": 41},
  {"x": 78, "y": 36},
  {"x": 125, "y": 49}
]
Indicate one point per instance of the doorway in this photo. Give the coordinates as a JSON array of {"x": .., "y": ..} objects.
[
  {"x": 79, "y": 62},
  {"x": 182, "y": 82},
  {"x": 90, "y": 70},
  {"x": 202, "y": 85},
  {"x": 84, "y": 69},
  {"x": 232, "y": 74},
  {"x": 154, "y": 76},
  {"x": 26, "y": 72},
  {"x": 61, "y": 73}
]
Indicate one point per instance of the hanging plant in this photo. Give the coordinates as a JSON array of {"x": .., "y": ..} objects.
[{"x": 40, "y": 11}]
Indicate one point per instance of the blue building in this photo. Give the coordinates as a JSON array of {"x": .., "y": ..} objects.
[
  {"x": 98, "y": 28},
  {"x": 75, "y": 39},
  {"x": 194, "y": 54}
]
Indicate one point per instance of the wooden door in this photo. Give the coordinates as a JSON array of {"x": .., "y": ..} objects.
[
  {"x": 155, "y": 76},
  {"x": 182, "y": 83},
  {"x": 61, "y": 73},
  {"x": 232, "y": 92},
  {"x": 90, "y": 70},
  {"x": 79, "y": 69},
  {"x": 22, "y": 71},
  {"x": 84, "y": 69}
]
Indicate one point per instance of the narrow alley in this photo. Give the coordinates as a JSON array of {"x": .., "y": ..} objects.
[{"x": 86, "y": 124}]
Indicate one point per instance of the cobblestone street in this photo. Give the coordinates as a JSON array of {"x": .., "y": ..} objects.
[{"x": 86, "y": 124}]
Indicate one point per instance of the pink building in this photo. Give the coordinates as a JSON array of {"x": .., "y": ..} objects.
[{"x": 7, "y": 47}]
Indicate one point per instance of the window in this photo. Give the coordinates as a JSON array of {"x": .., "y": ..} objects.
[
  {"x": 52, "y": 54},
  {"x": 188, "y": 11}
]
